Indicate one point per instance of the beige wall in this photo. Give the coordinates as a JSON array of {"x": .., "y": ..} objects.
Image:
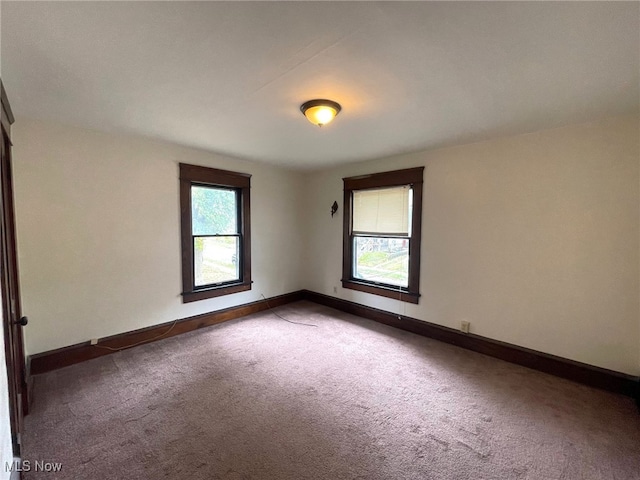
[
  {"x": 534, "y": 239},
  {"x": 99, "y": 234}
]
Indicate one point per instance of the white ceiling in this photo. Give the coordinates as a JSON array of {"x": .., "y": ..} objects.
[{"x": 229, "y": 77}]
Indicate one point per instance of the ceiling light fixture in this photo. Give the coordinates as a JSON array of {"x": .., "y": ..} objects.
[{"x": 320, "y": 111}]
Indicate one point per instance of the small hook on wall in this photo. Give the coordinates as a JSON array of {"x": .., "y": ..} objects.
[{"x": 334, "y": 208}]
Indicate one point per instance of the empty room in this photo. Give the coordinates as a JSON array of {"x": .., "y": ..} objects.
[{"x": 320, "y": 240}]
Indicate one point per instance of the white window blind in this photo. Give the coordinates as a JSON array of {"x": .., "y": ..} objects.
[{"x": 384, "y": 211}]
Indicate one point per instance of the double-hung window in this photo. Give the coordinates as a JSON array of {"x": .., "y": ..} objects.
[
  {"x": 382, "y": 230},
  {"x": 216, "y": 243}
]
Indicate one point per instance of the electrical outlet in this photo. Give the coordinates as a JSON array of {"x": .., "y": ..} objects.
[
  {"x": 94, "y": 341},
  {"x": 464, "y": 326},
  {"x": 335, "y": 289}
]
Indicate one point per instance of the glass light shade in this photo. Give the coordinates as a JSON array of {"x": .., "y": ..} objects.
[{"x": 320, "y": 112}]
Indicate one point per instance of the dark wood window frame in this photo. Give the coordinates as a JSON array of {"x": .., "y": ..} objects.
[
  {"x": 191, "y": 175},
  {"x": 412, "y": 177}
]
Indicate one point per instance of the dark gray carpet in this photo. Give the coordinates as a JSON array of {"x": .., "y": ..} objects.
[{"x": 260, "y": 398}]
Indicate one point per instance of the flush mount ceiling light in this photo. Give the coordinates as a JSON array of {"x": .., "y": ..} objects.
[{"x": 320, "y": 111}]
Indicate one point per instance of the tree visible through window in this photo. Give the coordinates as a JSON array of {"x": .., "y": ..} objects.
[
  {"x": 382, "y": 219},
  {"x": 215, "y": 232},
  {"x": 216, "y": 237}
]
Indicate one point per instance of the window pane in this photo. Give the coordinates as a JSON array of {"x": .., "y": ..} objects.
[
  {"x": 214, "y": 211},
  {"x": 216, "y": 260},
  {"x": 382, "y": 260}
]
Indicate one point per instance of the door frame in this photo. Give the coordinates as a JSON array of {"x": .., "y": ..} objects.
[{"x": 10, "y": 286}]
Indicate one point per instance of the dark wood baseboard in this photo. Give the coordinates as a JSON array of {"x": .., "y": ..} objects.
[
  {"x": 579, "y": 372},
  {"x": 63, "y": 357}
]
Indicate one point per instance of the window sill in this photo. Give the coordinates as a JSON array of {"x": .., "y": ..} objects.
[
  {"x": 215, "y": 292},
  {"x": 410, "y": 297}
]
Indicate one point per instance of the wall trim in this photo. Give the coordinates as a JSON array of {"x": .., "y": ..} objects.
[
  {"x": 28, "y": 390},
  {"x": 561, "y": 367},
  {"x": 586, "y": 374},
  {"x": 7, "y": 115},
  {"x": 80, "y": 352}
]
